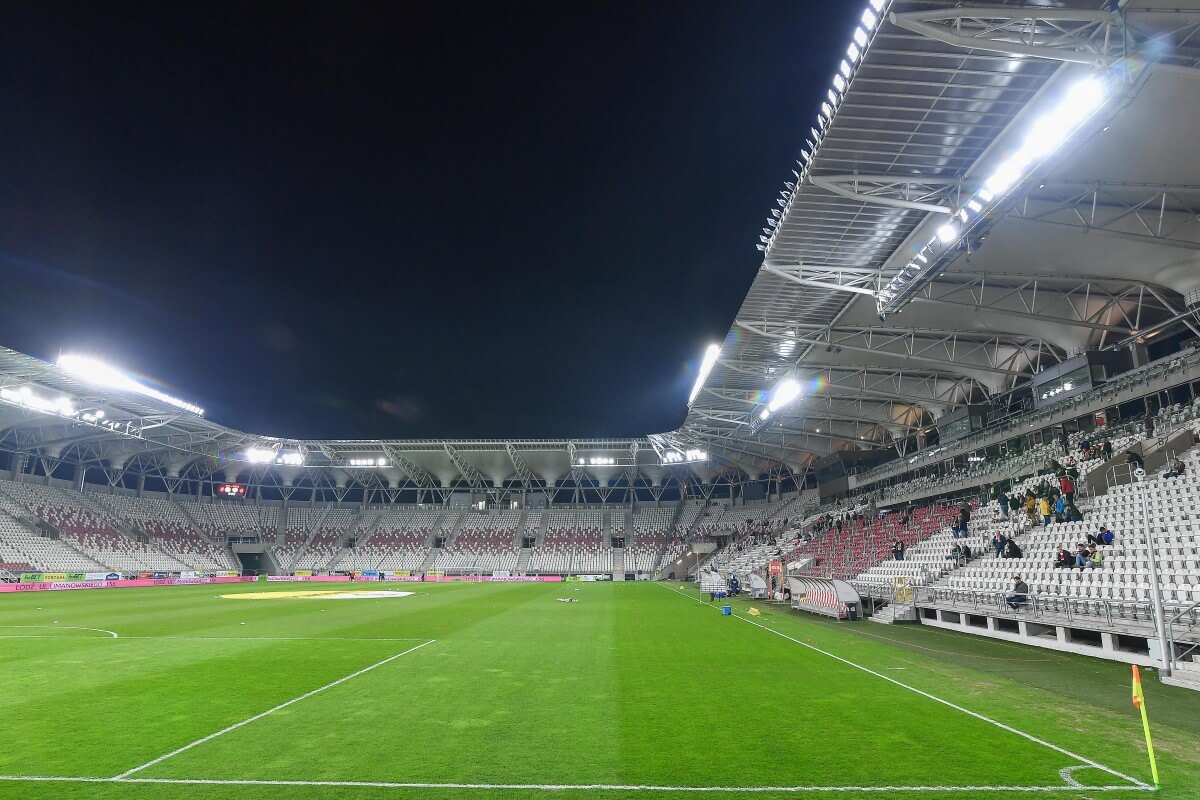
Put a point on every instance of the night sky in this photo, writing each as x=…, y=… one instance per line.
x=361, y=221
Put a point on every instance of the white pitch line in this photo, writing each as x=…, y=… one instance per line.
x=561, y=787
x=217, y=638
x=269, y=711
x=56, y=628
x=935, y=698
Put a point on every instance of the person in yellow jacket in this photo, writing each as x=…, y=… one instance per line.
x=1043, y=505
x=1031, y=509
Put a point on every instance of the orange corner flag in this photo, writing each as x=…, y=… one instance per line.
x=1139, y=702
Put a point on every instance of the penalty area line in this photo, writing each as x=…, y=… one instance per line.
x=561, y=787
x=1028, y=736
x=269, y=711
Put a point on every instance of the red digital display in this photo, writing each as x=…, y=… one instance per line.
x=236, y=490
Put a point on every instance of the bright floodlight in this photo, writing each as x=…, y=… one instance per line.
x=1007, y=174
x=100, y=374
x=1083, y=98
x=947, y=233
x=1047, y=134
x=706, y=365
x=785, y=392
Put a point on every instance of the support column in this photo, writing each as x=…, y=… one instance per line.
x=141, y=485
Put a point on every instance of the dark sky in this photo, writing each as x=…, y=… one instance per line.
x=510, y=220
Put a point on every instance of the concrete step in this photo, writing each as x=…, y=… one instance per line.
x=1184, y=680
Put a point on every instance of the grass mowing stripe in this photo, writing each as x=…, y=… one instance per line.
x=259, y=716
x=1030, y=737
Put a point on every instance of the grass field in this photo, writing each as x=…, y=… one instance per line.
x=500, y=691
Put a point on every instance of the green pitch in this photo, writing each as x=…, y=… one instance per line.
x=490, y=691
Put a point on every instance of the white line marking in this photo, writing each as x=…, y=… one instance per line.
x=283, y=705
x=57, y=628
x=935, y=698
x=560, y=787
x=1068, y=778
x=220, y=638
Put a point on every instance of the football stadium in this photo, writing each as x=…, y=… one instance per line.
x=930, y=527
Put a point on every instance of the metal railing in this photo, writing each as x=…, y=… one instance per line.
x=1087, y=609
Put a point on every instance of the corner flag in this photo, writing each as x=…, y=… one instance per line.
x=1139, y=702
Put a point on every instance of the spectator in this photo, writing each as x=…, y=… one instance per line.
x=1031, y=507
x=1134, y=460
x=955, y=554
x=1148, y=426
x=898, y=549
x=964, y=517
x=1002, y=500
x=998, y=542
x=1106, y=449
x=1066, y=485
x=1011, y=550
x=1102, y=537
x=966, y=552
x=1071, y=513
x=1063, y=559
x=1081, y=556
x=1060, y=509
x=1044, y=510
x=1093, y=558
x=1177, y=469
x=1019, y=595
x=1062, y=440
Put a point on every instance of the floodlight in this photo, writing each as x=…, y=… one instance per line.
x=707, y=363
x=785, y=392
x=839, y=82
x=98, y=373
x=1007, y=174
x=1047, y=134
x=260, y=455
x=869, y=19
x=1083, y=98
x=947, y=233
x=765, y=414
x=860, y=37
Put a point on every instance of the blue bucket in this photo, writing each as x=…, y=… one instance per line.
x=726, y=610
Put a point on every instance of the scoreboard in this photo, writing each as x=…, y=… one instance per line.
x=235, y=491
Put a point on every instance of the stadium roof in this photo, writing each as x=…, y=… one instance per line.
x=1095, y=245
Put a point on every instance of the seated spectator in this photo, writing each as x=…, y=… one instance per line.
x=1134, y=460
x=1019, y=595
x=1176, y=469
x=1102, y=537
x=1071, y=513
x=1081, y=555
x=955, y=554
x=998, y=542
x=1011, y=550
x=1063, y=559
x=1093, y=558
